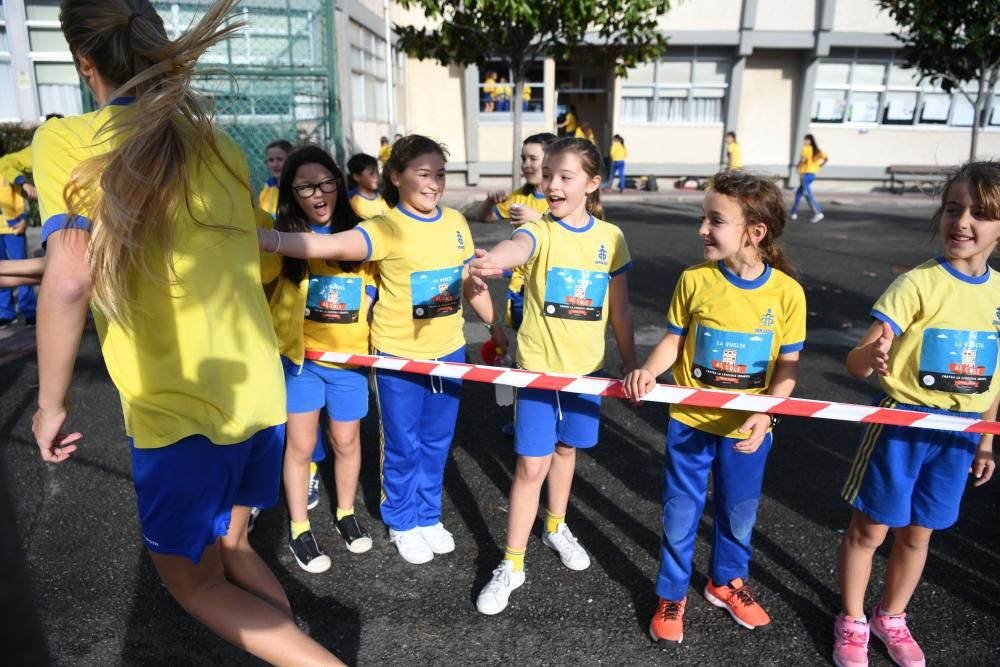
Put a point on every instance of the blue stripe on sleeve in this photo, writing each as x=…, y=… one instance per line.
x=882, y=317
x=534, y=241
x=620, y=270
x=371, y=291
x=368, y=242
x=62, y=221
x=676, y=330
x=792, y=347
x=498, y=214
x=469, y=259
x=15, y=221
x=19, y=180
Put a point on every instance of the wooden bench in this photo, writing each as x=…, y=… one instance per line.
x=925, y=178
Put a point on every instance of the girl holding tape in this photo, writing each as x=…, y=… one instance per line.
x=737, y=322
x=933, y=346
x=575, y=283
x=421, y=251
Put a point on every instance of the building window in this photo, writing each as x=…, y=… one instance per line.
x=690, y=90
x=496, y=90
x=857, y=87
x=8, y=102
x=369, y=93
x=58, y=89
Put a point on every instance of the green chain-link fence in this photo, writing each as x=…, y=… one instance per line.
x=279, y=76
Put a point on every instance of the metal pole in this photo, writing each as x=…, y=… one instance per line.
x=390, y=93
x=333, y=88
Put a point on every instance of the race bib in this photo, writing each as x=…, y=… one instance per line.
x=575, y=294
x=436, y=293
x=960, y=362
x=333, y=299
x=731, y=360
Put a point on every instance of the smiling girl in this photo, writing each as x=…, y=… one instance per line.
x=575, y=268
x=420, y=250
x=736, y=322
x=320, y=305
x=933, y=345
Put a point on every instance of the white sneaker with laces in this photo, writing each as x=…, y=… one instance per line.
x=570, y=552
x=411, y=546
x=437, y=538
x=794, y=216
x=494, y=596
x=817, y=218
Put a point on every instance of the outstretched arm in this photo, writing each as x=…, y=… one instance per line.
x=620, y=314
x=349, y=246
x=16, y=272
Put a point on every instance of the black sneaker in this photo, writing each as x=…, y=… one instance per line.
x=6, y=322
x=29, y=321
x=309, y=554
x=355, y=536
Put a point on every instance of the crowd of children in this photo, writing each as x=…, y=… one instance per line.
x=219, y=417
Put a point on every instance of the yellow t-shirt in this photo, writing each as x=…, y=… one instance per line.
x=269, y=196
x=533, y=200
x=735, y=155
x=734, y=329
x=14, y=165
x=946, y=323
x=420, y=263
x=570, y=122
x=384, y=152
x=567, y=292
x=618, y=152
x=336, y=313
x=12, y=207
x=365, y=207
x=811, y=163
x=199, y=355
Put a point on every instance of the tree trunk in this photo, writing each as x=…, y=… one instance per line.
x=517, y=105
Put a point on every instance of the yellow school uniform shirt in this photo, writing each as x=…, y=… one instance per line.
x=570, y=122
x=199, y=356
x=946, y=323
x=365, y=207
x=12, y=203
x=533, y=200
x=811, y=163
x=734, y=329
x=735, y=155
x=384, y=152
x=567, y=294
x=618, y=152
x=420, y=261
x=269, y=196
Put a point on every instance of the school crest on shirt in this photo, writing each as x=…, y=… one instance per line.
x=602, y=255
x=460, y=240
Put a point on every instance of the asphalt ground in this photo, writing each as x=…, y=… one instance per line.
x=102, y=604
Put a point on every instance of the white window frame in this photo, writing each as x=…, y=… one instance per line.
x=5, y=58
x=690, y=87
x=368, y=78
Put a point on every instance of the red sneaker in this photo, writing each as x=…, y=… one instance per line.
x=735, y=597
x=667, y=626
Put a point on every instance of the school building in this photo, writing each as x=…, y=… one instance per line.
x=769, y=70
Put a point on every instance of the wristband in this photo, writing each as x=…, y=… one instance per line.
x=774, y=420
x=490, y=326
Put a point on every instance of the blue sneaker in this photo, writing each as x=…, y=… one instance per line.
x=313, y=499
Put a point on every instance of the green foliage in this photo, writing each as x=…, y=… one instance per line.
x=15, y=137
x=471, y=32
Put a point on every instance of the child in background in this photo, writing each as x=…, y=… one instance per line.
x=618, y=155
x=384, y=151
x=502, y=94
x=363, y=193
x=811, y=160
x=13, y=224
x=275, y=154
x=736, y=322
x=321, y=306
x=421, y=251
x=489, y=91
x=734, y=154
x=933, y=345
x=585, y=131
x=575, y=284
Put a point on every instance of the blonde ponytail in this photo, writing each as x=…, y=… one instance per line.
x=133, y=192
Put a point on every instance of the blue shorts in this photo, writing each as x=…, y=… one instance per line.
x=186, y=491
x=543, y=417
x=905, y=476
x=343, y=391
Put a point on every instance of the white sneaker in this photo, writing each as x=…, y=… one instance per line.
x=570, y=552
x=494, y=596
x=794, y=216
x=437, y=538
x=411, y=546
x=817, y=217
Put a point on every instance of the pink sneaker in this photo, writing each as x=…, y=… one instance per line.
x=850, y=642
x=896, y=636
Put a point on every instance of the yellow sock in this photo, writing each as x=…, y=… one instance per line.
x=342, y=513
x=516, y=556
x=313, y=468
x=552, y=521
x=299, y=527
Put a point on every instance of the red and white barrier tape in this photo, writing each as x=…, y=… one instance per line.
x=666, y=393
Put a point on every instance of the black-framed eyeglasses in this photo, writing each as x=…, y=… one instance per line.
x=309, y=189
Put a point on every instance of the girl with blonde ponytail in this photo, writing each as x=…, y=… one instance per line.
x=147, y=215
